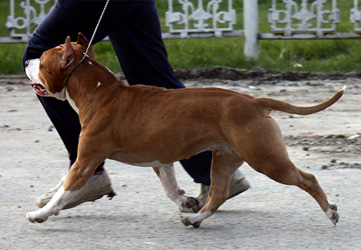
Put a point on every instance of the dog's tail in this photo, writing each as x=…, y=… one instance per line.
x=271, y=104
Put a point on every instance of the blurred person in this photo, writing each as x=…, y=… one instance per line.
x=134, y=31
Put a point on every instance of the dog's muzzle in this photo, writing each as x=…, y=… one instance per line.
x=39, y=89
x=32, y=71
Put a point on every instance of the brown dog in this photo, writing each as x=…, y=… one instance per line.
x=151, y=126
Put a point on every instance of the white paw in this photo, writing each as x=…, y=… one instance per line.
x=195, y=219
x=332, y=213
x=188, y=220
x=190, y=205
x=36, y=216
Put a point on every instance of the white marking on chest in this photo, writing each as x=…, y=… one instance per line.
x=61, y=95
x=71, y=102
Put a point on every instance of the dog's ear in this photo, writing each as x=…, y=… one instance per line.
x=68, y=56
x=83, y=41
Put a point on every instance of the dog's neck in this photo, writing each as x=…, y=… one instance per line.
x=91, y=83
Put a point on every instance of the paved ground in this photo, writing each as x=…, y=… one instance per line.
x=269, y=216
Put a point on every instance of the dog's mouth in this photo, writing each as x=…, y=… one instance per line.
x=39, y=89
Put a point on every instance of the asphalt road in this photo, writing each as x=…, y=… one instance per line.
x=269, y=216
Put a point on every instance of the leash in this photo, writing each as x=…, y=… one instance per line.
x=95, y=31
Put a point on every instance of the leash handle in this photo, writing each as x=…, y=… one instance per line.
x=95, y=31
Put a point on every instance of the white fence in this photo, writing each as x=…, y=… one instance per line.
x=289, y=19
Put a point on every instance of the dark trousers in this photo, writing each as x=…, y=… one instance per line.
x=134, y=30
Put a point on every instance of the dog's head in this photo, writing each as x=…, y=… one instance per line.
x=48, y=74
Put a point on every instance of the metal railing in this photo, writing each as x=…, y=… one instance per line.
x=288, y=19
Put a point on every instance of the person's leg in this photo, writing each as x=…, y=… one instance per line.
x=138, y=44
x=58, y=24
x=141, y=52
x=68, y=18
x=139, y=47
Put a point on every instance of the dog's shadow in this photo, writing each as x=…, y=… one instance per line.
x=77, y=223
x=225, y=220
x=254, y=220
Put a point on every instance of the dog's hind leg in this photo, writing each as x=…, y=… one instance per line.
x=278, y=166
x=309, y=183
x=266, y=152
x=288, y=174
x=223, y=167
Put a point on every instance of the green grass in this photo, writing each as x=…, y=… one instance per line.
x=313, y=55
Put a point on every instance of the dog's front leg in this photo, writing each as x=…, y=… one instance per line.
x=77, y=177
x=57, y=202
x=170, y=185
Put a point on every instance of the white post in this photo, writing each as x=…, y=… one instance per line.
x=250, y=13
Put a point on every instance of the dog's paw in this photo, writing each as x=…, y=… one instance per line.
x=36, y=216
x=332, y=213
x=187, y=221
x=191, y=205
